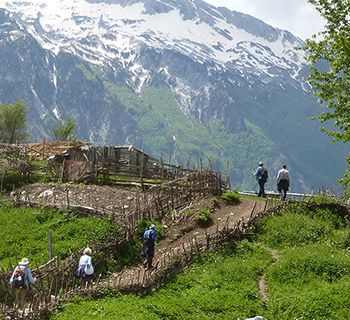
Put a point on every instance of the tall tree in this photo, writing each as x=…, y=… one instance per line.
x=13, y=122
x=65, y=131
x=331, y=82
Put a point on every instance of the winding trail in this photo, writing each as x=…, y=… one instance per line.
x=178, y=245
x=262, y=281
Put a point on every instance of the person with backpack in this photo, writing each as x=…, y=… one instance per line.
x=283, y=182
x=261, y=175
x=149, y=240
x=85, y=269
x=20, y=281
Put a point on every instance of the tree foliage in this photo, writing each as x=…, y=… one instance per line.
x=13, y=122
x=65, y=131
x=332, y=84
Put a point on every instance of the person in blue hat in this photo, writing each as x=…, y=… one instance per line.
x=149, y=240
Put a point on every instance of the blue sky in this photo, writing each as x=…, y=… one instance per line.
x=296, y=16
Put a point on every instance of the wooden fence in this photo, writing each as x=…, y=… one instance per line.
x=110, y=164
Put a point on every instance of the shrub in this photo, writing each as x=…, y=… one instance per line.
x=144, y=224
x=203, y=218
x=231, y=197
x=215, y=202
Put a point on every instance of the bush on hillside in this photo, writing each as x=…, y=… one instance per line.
x=144, y=224
x=203, y=218
x=231, y=197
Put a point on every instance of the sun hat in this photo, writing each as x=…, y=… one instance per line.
x=24, y=262
x=153, y=226
x=87, y=251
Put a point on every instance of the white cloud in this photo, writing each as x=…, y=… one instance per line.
x=297, y=16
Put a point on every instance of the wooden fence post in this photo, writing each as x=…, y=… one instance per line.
x=141, y=169
x=2, y=180
x=49, y=242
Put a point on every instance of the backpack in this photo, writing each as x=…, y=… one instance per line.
x=264, y=175
x=18, y=279
x=84, y=270
x=88, y=269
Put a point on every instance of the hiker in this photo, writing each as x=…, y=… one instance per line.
x=261, y=176
x=283, y=182
x=20, y=281
x=149, y=239
x=85, y=269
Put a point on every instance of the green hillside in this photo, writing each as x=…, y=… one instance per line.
x=160, y=121
x=303, y=254
x=277, y=128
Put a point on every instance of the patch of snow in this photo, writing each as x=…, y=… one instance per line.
x=55, y=111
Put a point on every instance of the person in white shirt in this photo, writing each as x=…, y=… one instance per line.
x=85, y=269
x=283, y=182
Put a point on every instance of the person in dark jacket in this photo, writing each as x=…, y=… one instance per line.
x=149, y=240
x=261, y=177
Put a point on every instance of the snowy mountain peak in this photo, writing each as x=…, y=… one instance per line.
x=101, y=30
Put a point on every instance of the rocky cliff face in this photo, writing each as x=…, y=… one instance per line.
x=181, y=79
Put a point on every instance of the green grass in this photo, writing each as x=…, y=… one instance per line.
x=312, y=282
x=297, y=227
x=24, y=232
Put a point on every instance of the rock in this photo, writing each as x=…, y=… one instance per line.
x=45, y=193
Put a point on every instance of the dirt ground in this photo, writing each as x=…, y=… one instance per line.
x=93, y=196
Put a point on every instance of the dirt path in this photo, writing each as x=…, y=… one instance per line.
x=262, y=281
x=182, y=238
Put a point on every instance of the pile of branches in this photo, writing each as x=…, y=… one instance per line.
x=15, y=158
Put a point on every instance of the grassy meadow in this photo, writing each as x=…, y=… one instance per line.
x=24, y=233
x=309, y=280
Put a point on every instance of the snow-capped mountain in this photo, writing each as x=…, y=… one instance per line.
x=102, y=32
x=178, y=77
